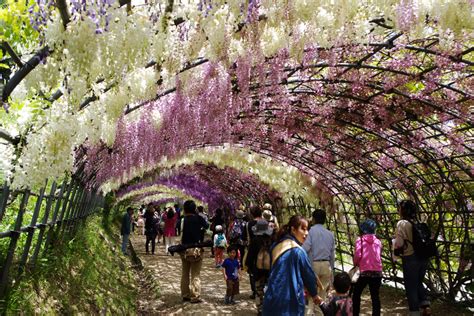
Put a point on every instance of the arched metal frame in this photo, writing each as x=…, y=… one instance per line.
x=378, y=113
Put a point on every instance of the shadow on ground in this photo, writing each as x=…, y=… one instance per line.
x=167, y=270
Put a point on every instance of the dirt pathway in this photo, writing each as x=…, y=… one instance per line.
x=167, y=271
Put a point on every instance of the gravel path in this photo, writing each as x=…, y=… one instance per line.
x=167, y=271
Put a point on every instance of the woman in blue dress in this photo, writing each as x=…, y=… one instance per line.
x=291, y=272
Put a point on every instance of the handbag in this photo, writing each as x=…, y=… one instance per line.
x=354, y=274
x=192, y=254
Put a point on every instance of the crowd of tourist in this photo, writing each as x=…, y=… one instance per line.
x=291, y=268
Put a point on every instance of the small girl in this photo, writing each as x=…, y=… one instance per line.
x=220, y=243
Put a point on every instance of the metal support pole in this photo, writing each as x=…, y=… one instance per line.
x=31, y=231
x=4, y=199
x=14, y=235
x=43, y=225
x=59, y=205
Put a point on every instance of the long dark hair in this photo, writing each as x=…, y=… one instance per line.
x=295, y=222
x=408, y=209
x=170, y=213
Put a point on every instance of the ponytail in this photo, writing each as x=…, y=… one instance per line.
x=283, y=231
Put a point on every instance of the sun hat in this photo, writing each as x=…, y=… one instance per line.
x=218, y=228
x=239, y=214
x=368, y=226
x=267, y=214
x=267, y=206
x=262, y=228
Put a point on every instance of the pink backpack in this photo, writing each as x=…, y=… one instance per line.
x=344, y=307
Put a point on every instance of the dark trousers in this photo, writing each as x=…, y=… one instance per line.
x=414, y=270
x=374, y=287
x=261, y=279
x=252, y=283
x=152, y=238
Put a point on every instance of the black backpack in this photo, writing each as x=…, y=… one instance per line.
x=423, y=244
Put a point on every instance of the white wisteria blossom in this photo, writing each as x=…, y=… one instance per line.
x=110, y=67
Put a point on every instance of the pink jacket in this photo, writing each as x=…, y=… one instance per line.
x=170, y=225
x=371, y=249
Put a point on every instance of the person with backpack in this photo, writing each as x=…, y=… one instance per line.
x=216, y=220
x=411, y=249
x=258, y=258
x=200, y=210
x=151, y=229
x=250, y=257
x=340, y=303
x=291, y=272
x=220, y=244
x=191, y=258
x=237, y=238
x=367, y=256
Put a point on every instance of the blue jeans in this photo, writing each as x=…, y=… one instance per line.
x=414, y=270
x=125, y=243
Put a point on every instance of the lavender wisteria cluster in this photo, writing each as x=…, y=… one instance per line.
x=330, y=116
x=216, y=187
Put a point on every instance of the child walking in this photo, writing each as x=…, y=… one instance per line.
x=340, y=303
x=231, y=270
x=220, y=243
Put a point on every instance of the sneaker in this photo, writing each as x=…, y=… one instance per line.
x=232, y=302
x=226, y=300
x=218, y=266
x=186, y=299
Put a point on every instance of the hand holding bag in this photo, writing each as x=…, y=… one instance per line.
x=193, y=254
x=354, y=273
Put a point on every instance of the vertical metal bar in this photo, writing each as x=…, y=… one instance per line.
x=31, y=231
x=42, y=226
x=87, y=205
x=68, y=201
x=4, y=199
x=14, y=235
x=72, y=206
x=56, y=212
x=77, y=210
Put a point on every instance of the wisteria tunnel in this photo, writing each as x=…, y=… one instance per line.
x=304, y=105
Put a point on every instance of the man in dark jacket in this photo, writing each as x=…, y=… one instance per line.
x=193, y=224
x=126, y=229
